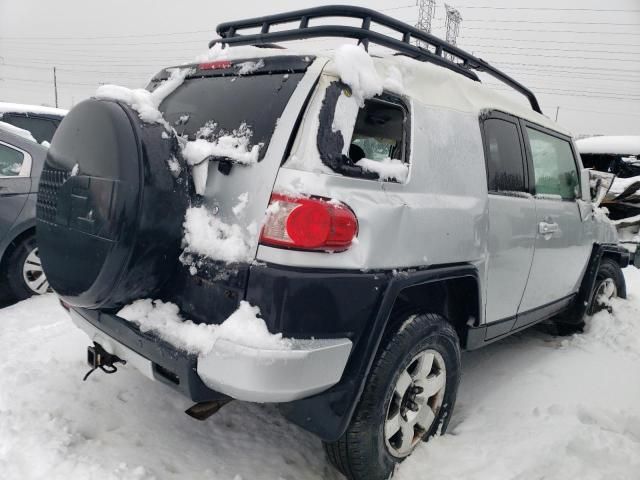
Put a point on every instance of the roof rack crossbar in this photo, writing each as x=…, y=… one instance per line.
x=437, y=51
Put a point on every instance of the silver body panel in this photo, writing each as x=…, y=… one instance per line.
x=560, y=256
x=512, y=235
x=443, y=214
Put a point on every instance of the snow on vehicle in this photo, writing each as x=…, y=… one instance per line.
x=335, y=228
x=41, y=122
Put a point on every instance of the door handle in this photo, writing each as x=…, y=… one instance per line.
x=545, y=228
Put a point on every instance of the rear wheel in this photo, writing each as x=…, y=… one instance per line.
x=408, y=398
x=25, y=276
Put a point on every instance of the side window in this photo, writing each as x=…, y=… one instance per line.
x=41, y=129
x=555, y=168
x=505, y=164
x=364, y=141
x=378, y=133
x=11, y=161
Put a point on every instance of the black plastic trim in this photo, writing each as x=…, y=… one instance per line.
x=491, y=332
x=328, y=414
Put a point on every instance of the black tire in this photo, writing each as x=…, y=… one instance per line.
x=608, y=270
x=18, y=289
x=362, y=452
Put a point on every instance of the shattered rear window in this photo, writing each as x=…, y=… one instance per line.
x=221, y=105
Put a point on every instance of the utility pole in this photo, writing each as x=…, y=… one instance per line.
x=55, y=85
x=426, y=12
x=557, y=110
x=454, y=19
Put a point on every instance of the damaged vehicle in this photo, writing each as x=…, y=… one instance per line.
x=614, y=162
x=325, y=232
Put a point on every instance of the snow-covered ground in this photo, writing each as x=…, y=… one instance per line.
x=530, y=407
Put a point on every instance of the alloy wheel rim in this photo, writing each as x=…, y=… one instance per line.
x=33, y=274
x=416, y=400
x=607, y=289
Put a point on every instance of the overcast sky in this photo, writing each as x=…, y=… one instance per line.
x=580, y=56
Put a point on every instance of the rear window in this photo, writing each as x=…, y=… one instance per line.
x=214, y=106
x=42, y=129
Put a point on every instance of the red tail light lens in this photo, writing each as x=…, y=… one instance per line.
x=218, y=64
x=308, y=224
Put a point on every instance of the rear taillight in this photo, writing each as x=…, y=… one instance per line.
x=308, y=224
x=216, y=65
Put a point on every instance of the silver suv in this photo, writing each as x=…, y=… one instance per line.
x=381, y=213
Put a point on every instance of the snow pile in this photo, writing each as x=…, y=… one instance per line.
x=247, y=68
x=355, y=68
x=234, y=146
x=205, y=234
x=243, y=201
x=530, y=407
x=6, y=107
x=387, y=169
x=21, y=132
x=163, y=319
x=612, y=144
x=211, y=144
x=144, y=102
x=612, y=330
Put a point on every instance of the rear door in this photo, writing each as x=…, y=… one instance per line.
x=15, y=183
x=512, y=220
x=562, y=247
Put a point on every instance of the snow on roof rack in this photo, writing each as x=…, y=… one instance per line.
x=436, y=50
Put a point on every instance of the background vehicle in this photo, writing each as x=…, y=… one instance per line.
x=42, y=122
x=21, y=162
x=620, y=157
x=378, y=269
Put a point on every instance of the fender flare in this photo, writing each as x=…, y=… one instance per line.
x=328, y=414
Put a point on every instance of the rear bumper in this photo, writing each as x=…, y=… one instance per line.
x=241, y=372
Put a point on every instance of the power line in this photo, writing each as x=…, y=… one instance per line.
x=564, y=94
x=536, y=40
x=495, y=20
x=597, y=111
x=627, y=60
x=554, y=31
x=627, y=95
x=552, y=9
x=569, y=67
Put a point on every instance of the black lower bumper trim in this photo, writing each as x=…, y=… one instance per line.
x=171, y=366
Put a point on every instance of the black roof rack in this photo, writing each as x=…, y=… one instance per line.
x=436, y=50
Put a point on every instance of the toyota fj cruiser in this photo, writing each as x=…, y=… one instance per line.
x=382, y=213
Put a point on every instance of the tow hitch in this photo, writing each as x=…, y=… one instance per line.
x=98, y=357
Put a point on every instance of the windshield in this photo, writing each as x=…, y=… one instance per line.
x=214, y=106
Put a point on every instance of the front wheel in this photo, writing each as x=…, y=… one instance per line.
x=609, y=284
x=25, y=276
x=408, y=398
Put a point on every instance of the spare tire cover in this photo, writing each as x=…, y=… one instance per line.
x=109, y=210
